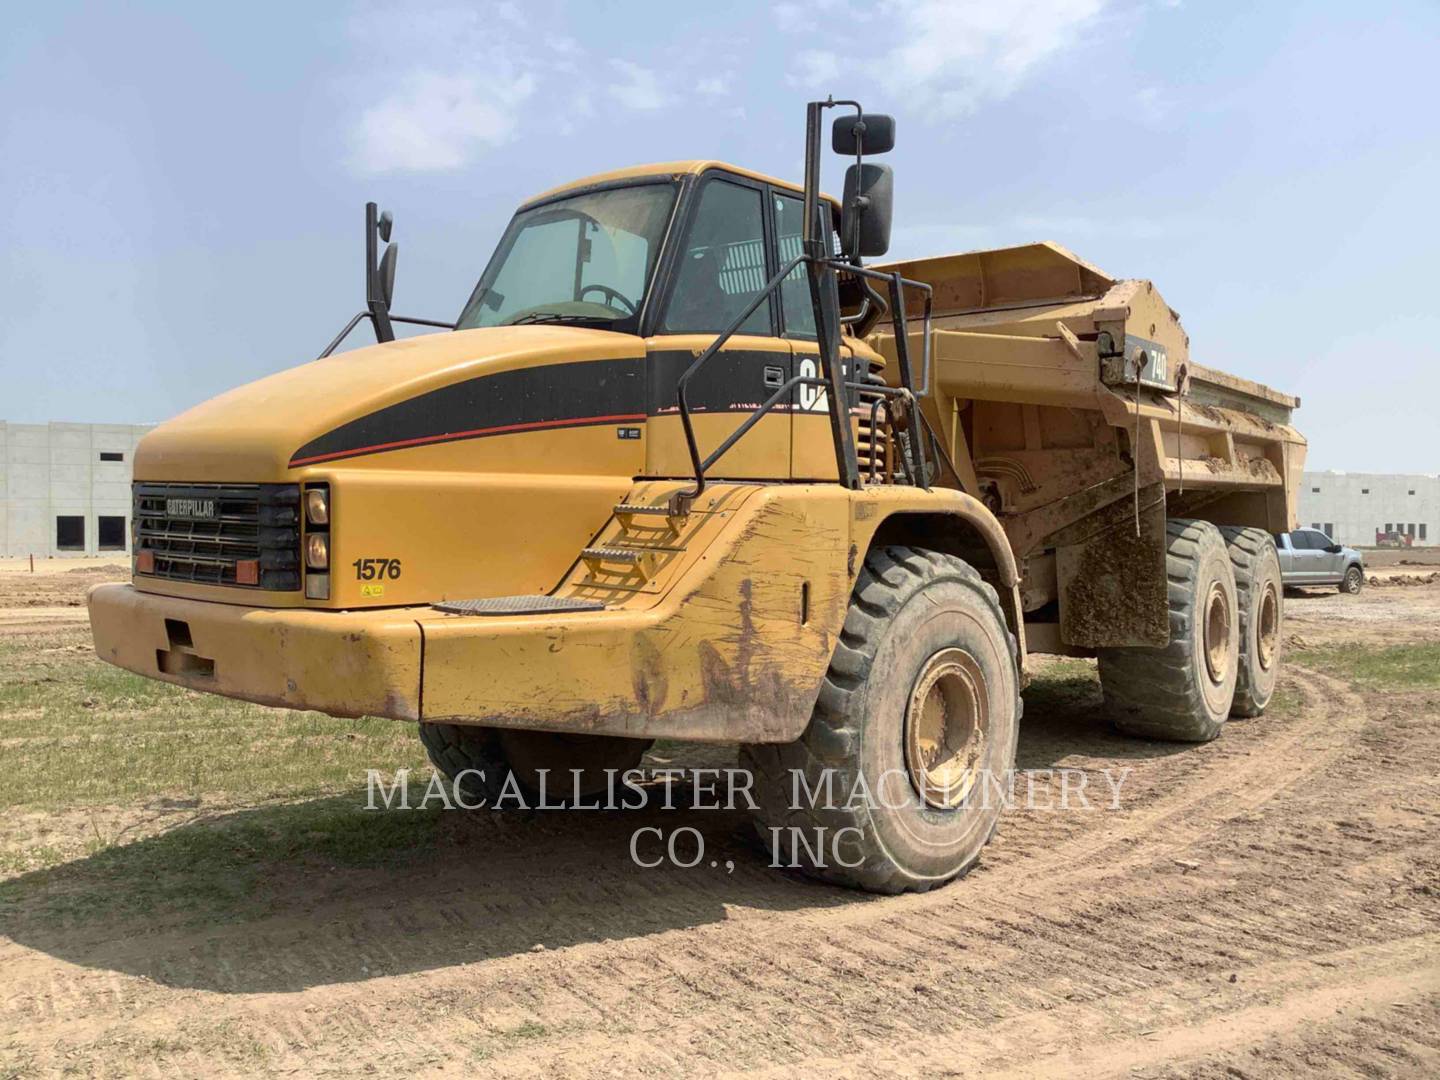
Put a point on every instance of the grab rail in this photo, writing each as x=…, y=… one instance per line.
x=896, y=284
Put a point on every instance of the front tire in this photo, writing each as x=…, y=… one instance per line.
x=1259, y=593
x=479, y=761
x=1353, y=581
x=1183, y=691
x=918, y=715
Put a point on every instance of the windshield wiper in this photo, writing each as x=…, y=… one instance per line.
x=556, y=317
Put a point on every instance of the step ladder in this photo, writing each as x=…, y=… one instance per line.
x=629, y=555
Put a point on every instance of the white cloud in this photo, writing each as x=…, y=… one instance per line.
x=455, y=81
x=813, y=69
x=436, y=121
x=791, y=16
x=1153, y=103
x=638, y=88
x=950, y=56
x=714, y=85
x=955, y=56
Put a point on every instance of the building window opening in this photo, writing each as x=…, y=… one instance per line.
x=1364, y=491
x=1422, y=530
x=111, y=530
x=1330, y=529
x=70, y=533
x=111, y=455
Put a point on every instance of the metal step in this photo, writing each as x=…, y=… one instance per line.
x=630, y=556
x=627, y=512
x=603, y=560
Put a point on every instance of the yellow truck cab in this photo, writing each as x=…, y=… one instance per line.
x=686, y=467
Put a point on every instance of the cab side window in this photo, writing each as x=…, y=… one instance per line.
x=795, y=289
x=722, y=266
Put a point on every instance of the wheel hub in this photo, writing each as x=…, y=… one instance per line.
x=1267, y=635
x=1217, y=633
x=947, y=727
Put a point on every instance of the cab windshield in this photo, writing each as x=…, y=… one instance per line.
x=587, y=259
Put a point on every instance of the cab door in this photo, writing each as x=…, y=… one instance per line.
x=1311, y=559
x=1330, y=564
x=725, y=258
x=1285, y=548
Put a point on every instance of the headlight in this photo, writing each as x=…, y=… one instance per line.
x=317, y=551
x=317, y=506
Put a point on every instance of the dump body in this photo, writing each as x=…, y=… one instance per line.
x=1069, y=403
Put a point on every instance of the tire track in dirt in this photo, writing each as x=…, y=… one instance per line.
x=1180, y=1023
x=678, y=987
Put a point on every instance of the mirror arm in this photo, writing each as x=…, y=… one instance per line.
x=423, y=322
x=335, y=344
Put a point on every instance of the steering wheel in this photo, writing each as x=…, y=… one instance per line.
x=610, y=294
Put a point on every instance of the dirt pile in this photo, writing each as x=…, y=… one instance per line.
x=1432, y=578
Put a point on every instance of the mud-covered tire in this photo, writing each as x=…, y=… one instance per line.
x=1259, y=593
x=1353, y=581
x=1183, y=691
x=920, y=622
x=479, y=760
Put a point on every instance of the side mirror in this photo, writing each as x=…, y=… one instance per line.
x=866, y=210
x=1334, y=549
x=869, y=133
x=387, y=273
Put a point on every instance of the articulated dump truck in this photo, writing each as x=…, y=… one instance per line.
x=688, y=467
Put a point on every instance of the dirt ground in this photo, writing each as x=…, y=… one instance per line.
x=1264, y=905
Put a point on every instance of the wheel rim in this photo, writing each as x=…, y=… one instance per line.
x=1352, y=580
x=1217, y=633
x=1267, y=636
x=947, y=727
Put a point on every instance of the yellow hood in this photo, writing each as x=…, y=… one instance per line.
x=251, y=433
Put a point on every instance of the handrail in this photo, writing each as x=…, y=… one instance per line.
x=907, y=390
x=774, y=399
x=684, y=381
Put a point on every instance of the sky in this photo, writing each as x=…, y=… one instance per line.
x=182, y=185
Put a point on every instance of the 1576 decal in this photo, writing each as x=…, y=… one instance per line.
x=376, y=569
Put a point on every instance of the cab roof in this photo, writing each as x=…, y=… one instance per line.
x=669, y=170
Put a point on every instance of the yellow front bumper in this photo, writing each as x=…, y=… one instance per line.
x=346, y=663
x=647, y=674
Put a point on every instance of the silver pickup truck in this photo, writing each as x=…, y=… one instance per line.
x=1309, y=557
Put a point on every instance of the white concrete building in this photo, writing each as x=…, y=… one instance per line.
x=65, y=488
x=1353, y=507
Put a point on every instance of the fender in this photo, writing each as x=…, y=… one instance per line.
x=941, y=519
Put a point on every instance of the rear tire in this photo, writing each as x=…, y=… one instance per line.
x=1353, y=581
x=1183, y=691
x=1259, y=595
x=480, y=760
x=921, y=704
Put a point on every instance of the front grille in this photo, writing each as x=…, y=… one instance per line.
x=202, y=532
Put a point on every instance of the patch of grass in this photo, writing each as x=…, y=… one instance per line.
x=219, y=869
x=1284, y=702
x=1378, y=667
x=75, y=731
x=1061, y=682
